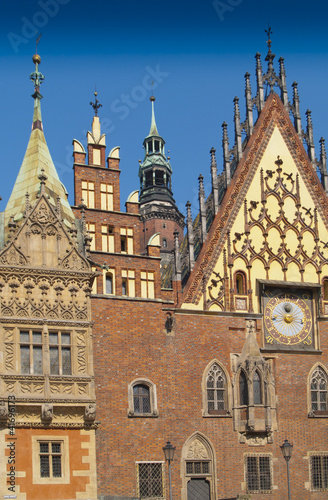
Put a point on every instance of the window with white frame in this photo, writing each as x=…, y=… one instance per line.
x=106, y=196
x=88, y=193
x=128, y=283
x=147, y=284
x=258, y=473
x=319, y=471
x=126, y=240
x=31, y=352
x=107, y=239
x=150, y=480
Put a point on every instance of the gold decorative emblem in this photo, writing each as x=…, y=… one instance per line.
x=288, y=319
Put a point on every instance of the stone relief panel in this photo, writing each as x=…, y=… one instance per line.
x=197, y=450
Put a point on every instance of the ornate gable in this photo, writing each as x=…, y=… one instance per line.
x=266, y=227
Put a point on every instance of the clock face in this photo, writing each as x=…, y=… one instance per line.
x=288, y=319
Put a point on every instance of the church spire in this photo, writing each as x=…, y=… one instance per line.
x=37, y=160
x=153, y=127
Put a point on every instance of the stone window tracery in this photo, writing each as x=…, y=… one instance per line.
x=318, y=386
x=216, y=390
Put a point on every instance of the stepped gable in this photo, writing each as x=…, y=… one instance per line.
x=272, y=130
x=37, y=158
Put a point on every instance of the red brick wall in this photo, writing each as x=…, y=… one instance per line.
x=98, y=175
x=166, y=229
x=130, y=341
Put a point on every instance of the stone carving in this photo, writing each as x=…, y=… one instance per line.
x=9, y=356
x=82, y=389
x=61, y=388
x=74, y=261
x=11, y=256
x=80, y=338
x=3, y=410
x=81, y=361
x=90, y=412
x=10, y=387
x=9, y=335
x=47, y=412
x=197, y=450
x=29, y=387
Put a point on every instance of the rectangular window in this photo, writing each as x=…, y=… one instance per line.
x=50, y=459
x=31, y=352
x=92, y=231
x=147, y=285
x=88, y=193
x=128, y=283
x=258, y=473
x=60, y=353
x=107, y=239
x=150, y=478
x=195, y=468
x=126, y=240
x=106, y=196
x=319, y=472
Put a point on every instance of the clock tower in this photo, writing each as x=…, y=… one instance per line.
x=158, y=210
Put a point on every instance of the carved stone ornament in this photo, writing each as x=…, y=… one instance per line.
x=3, y=410
x=47, y=412
x=90, y=412
x=197, y=450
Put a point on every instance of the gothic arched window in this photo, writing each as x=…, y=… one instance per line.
x=216, y=390
x=257, y=390
x=319, y=390
x=243, y=389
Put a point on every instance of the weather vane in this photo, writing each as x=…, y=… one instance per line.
x=37, y=43
x=269, y=32
x=96, y=105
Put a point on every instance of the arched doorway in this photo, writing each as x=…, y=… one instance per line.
x=198, y=469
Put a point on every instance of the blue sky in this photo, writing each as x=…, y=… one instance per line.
x=196, y=52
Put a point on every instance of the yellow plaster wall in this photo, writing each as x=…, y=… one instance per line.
x=276, y=146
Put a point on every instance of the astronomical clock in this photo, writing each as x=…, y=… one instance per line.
x=289, y=318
